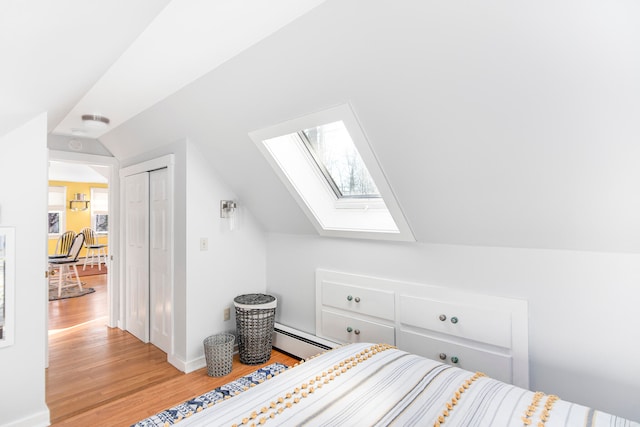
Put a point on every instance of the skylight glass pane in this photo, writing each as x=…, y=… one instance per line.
x=340, y=161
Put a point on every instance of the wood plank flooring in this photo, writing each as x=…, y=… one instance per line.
x=102, y=376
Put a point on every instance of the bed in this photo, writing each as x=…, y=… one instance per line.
x=367, y=384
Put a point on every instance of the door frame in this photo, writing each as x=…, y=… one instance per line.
x=167, y=161
x=113, y=282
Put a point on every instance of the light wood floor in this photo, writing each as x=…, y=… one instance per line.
x=99, y=376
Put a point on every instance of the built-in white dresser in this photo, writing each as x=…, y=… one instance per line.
x=352, y=313
x=475, y=332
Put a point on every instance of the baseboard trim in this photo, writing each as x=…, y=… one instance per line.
x=179, y=364
x=193, y=365
x=298, y=343
x=39, y=419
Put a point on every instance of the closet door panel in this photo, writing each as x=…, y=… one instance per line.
x=160, y=259
x=136, y=259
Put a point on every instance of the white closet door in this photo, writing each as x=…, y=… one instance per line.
x=160, y=259
x=137, y=255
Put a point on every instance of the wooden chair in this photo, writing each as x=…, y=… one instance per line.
x=96, y=252
x=63, y=265
x=64, y=243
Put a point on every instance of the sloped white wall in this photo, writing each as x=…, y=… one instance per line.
x=497, y=123
x=583, y=316
x=234, y=264
x=23, y=171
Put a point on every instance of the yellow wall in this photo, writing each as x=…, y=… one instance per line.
x=76, y=220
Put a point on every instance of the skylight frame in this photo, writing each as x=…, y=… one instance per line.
x=320, y=164
x=325, y=170
x=368, y=218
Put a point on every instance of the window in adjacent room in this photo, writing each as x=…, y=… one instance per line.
x=329, y=167
x=56, y=211
x=100, y=209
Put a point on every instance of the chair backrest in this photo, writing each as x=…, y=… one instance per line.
x=64, y=242
x=78, y=241
x=89, y=236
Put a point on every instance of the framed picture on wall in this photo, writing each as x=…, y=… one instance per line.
x=54, y=222
x=7, y=285
x=102, y=223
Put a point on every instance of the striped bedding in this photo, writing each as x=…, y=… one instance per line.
x=377, y=385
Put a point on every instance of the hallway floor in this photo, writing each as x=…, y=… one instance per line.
x=105, y=376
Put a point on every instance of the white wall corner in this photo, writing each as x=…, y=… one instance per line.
x=179, y=363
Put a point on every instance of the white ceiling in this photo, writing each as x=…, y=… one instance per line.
x=187, y=39
x=53, y=52
x=497, y=123
x=118, y=58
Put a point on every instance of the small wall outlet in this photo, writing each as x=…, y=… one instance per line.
x=204, y=244
x=227, y=313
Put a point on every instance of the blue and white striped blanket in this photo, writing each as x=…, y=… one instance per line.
x=186, y=409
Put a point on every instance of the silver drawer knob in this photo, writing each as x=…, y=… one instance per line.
x=349, y=297
x=357, y=332
x=454, y=319
x=349, y=329
x=454, y=359
x=442, y=317
x=442, y=356
x=357, y=299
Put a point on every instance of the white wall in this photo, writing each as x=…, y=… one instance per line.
x=23, y=171
x=583, y=316
x=234, y=264
x=205, y=282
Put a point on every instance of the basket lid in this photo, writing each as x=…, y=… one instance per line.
x=249, y=301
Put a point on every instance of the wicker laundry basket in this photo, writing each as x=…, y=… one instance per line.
x=218, y=351
x=255, y=314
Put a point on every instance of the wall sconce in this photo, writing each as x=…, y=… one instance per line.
x=228, y=211
x=78, y=203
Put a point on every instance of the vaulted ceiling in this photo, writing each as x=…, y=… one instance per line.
x=496, y=123
x=54, y=52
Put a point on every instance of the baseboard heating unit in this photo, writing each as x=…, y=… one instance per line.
x=298, y=343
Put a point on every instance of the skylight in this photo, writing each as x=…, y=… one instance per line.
x=339, y=160
x=326, y=163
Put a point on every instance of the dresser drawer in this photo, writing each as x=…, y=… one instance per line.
x=484, y=325
x=371, y=302
x=347, y=329
x=495, y=365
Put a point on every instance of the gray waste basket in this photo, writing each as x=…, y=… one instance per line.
x=218, y=351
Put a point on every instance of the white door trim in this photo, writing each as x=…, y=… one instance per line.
x=113, y=284
x=166, y=161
